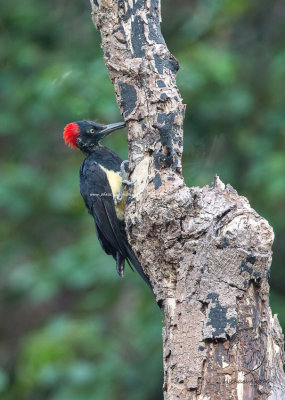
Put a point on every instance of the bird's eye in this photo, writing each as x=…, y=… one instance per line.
x=92, y=130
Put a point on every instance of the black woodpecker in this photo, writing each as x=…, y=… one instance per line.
x=102, y=186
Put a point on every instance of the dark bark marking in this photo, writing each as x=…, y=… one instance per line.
x=156, y=156
x=251, y=259
x=167, y=138
x=138, y=37
x=213, y=296
x=163, y=96
x=138, y=4
x=154, y=8
x=169, y=126
x=218, y=316
x=128, y=97
x=160, y=83
x=255, y=275
x=157, y=181
x=244, y=267
x=154, y=30
x=158, y=63
x=225, y=243
x=171, y=63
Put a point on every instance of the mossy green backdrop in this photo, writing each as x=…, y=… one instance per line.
x=70, y=328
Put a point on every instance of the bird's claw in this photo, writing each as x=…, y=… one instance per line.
x=125, y=182
x=117, y=199
x=128, y=183
x=123, y=172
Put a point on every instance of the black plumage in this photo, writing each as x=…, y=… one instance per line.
x=100, y=182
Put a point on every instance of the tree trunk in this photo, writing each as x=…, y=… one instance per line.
x=206, y=251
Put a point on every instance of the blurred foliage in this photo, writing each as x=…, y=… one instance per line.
x=70, y=328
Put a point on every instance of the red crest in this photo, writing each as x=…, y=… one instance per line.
x=70, y=134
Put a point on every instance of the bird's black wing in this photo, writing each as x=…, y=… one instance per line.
x=98, y=198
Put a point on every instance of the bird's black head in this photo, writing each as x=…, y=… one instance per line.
x=85, y=135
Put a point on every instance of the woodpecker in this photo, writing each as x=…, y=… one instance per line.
x=103, y=183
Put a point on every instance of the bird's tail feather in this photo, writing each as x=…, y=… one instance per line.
x=136, y=264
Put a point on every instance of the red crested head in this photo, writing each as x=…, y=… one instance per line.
x=70, y=134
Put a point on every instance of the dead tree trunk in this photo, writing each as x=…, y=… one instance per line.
x=206, y=251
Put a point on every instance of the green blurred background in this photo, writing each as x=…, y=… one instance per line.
x=70, y=329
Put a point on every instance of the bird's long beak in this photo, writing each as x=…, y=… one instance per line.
x=107, y=129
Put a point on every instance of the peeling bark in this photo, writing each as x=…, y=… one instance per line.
x=205, y=250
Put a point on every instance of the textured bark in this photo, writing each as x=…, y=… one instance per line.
x=206, y=251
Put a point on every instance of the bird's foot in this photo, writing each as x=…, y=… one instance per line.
x=123, y=174
x=125, y=182
x=117, y=199
x=124, y=170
